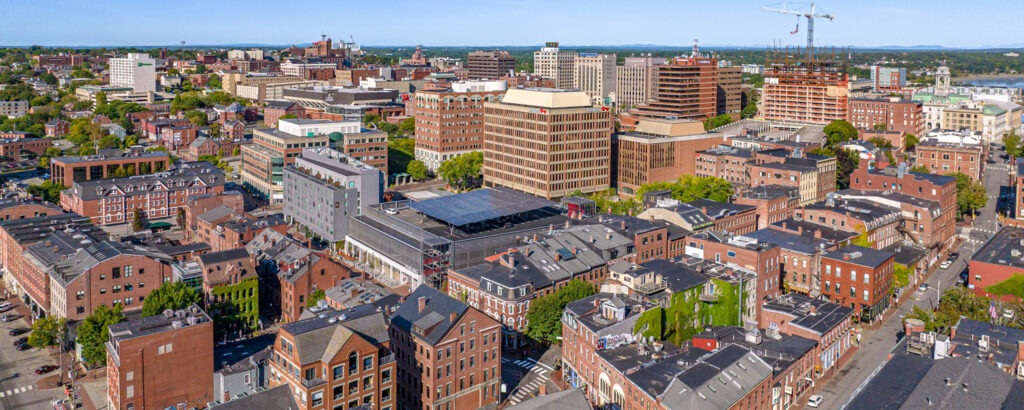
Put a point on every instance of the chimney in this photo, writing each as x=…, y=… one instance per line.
x=846, y=257
x=535, y=237
x=452, y=316
x=575, y=250
x=567, y=225
x=622, y=224
x=817, y=233
x=704, y=209
x=813, y=309
x=800, y=230
x=354, y=292
x=784, y=224
x=600, y=218
x=558, y=256
x=597, y=302
x=652, y=218
x=952, y=332
x=608, y=235
x=422, y=303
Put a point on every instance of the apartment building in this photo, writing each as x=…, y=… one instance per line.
x=888, y=79
x=14, y=108
x=634, y=81
x=829, y=324
x=685, y=88
x=945, y=158
x=724, y=162
x=547, y=142
x=337, y=359
x=264, y=160
x=448, y=353
x=136, y=70
x=490, y=64
x=773, y=203
x=762, y=258
x=805, y=88
x=594, y=74
x=555, y=64
x=659, y=150
x=325, y=187
x=880, y=224
x=450, y=122
x=18, y=148
x=895, y=114
x=922, y=221
x=860, y=278
x=159, y=195
x=149, y=357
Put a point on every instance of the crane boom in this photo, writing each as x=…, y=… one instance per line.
x=810, y=15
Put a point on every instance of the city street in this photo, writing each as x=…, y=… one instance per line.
x=17, y=372
x=525, y=376
x=876, y=344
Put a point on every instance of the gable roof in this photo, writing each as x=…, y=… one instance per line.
x=434, y=321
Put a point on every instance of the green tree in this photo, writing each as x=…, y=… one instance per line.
x=46, y=332
x=718, y=121
x=236, y=151
x=214, y=81
x=408, y=126
x=461, y=170
x=315, y=297
x=1013, y=145
x=170, y=295
x=101, y=99
x=846, y=162
x=417, y=170
x=749, y=111
x=196, y=118
x=970, y=196
x=880, y=142
x=921, y=169
x=137, y=220
x=93, y=333
x=545, y=314
x=879, y=127
x=839, y=131
x=49, y=191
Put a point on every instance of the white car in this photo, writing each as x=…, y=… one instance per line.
x=815, y=401
x=946, y=263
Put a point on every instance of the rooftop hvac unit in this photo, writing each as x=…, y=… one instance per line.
x=983, y=343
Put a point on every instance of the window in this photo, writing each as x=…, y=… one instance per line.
x=367, y=363
x=129, y=392
x=339, y=392
x=865, y=295
x=318, y=398
x=115, y=272
x=116, y=289
x=353, y=387
x=353, y=360
x=80, y=295
x=385, y=376
x=367, y=382
x=129, y=376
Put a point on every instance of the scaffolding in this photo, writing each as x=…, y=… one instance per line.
x=805, y=86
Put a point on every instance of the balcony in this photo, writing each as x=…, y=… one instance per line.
x=650, y=288
x=708, y=297
x=311, y=383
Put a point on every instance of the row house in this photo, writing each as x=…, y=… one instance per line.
x=761, y=258
x=724, y=162
x=160, y=195
x=199, y=204
x=504, y=286
x=336, y=359
x=829, y=324
x=448, y=353
x=652, y=239
x=773, y=203
x=734, y=218
x=879, y=224
x=239, y=230
x=801, y=257
x=860, y=278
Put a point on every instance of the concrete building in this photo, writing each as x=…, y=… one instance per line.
x=14, y=109
x=450, y=122
x=729, y=90
x=594, y=74
x=888, y=79
x=459, y=344
x=563, y=147
x=634, y=81
x=147, y=358
x=325, y=187
x=491, y=64
x=264, y=160
x=685, y=88
x=68, y=170
x=895, y=114
x=136, y=70
x=232, y=80
x=554, y=64
x=323, y=96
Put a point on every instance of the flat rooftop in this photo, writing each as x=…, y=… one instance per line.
x=479, y=206
x=1005, y=248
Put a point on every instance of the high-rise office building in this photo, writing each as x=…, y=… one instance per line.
x=885, y=79
x=594, y=74
x=555, y=64
x=450, y=122
x=136, y=70
x=634, y=81
x=729, y=90
x=491, y=64
x=685, y=88
x=547, y=142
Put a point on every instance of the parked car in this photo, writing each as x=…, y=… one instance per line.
x=923, y=287
x=19, y=331
x=815, y=401
x=44, y=369
x=20, y=341
x=23, y=347
x=5, y=305
x=9, y=318
x=946, y=264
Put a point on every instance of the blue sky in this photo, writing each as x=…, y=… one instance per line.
x=509, y=22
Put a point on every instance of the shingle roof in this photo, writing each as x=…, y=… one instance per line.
x=433, y=322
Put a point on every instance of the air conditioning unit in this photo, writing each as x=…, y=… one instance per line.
x=983, y=343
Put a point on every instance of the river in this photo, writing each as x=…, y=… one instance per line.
x=1012, y=82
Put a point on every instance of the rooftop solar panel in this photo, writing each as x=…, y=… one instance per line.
x=480, y=205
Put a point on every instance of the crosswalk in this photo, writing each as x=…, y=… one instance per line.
x=16, y=390
x=530, y=388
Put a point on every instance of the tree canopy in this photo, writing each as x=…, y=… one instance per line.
x=718, y=121
x=1013, y=144
x=417, y=170
x=921, y=169
x=170, y=295
x=544, y=319
x=839, y=131
x=92, y=333
x=46, y=332
x=970, y=196
x=461, y=171
x=315, y=297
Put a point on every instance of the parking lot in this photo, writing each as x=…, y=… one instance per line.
x=17, y=371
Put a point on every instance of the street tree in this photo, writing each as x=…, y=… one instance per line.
x=93, y=333
x=417, y=170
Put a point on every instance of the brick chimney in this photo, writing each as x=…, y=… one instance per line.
x=354, y=292
x=622, y=224
x=575, y=250
x=422, y=303
x=846, y=257
x=952, y=332
x=452, y=316
x=543, y=389
x=800, y=230
x=817, y=233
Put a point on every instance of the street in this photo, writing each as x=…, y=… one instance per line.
x=876, y=345
x=17, y=372
x=525, y=376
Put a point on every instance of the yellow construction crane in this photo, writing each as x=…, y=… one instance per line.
x=808, y=10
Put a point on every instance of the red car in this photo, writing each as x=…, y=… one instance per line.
x=46, y=369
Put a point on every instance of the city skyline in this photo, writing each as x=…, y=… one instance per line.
x=125, y=23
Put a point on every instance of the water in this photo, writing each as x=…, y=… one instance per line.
x=1012, y=82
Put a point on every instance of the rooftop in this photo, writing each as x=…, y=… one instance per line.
x=815, y=315
x=168, y=320
x=479, y=206
x=431, y=322
x=860, y=255
x=547, y=98
x=1005, y=248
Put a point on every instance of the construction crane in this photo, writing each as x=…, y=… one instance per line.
x=786, y=8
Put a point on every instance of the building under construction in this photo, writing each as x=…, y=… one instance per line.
x=808, y=87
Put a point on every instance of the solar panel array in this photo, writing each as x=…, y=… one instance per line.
x=480, y=205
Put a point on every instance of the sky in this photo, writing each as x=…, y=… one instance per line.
x=858, y=23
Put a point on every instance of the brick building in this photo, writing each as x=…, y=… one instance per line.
x=998, y=260
x=338, y=359
x=239, y=230
x=57, y=128
x=196, y=205
x=685, y=88
x=148, y=358
x=733, y=218
x=801, y=256
x=945, y=158
x=761, y=258
x=448, y=354
x=858, y=277
x=659, y=150
x=922, y=221
x=881, y=224
x=450, y=123
x=68, y=170
x=895, y=114
x=563, y=146
x=724, y=162
x=773, y=203
x=827, y=323
x=17, y=148
x=114, y=201
x=275, y=109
